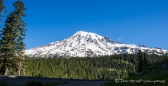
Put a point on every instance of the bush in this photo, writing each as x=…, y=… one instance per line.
x=55, y=83
x=3, y=84
x=38, y=83
x=34, y=83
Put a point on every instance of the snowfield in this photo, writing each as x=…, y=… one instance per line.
x=87, y=44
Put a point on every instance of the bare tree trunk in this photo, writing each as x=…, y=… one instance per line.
x=5, y=65
x=24, y=72
x=6, y=71
x=19, y=68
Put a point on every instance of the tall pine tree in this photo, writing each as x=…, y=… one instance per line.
x=7, y=48
x=2, y=9
x=12, y=45
x=140, y=61
x=20, y=46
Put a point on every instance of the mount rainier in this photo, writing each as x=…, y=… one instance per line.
x=87, y=44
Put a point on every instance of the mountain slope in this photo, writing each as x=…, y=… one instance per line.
x=83, y=44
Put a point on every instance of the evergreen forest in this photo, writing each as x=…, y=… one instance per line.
x=97, y=68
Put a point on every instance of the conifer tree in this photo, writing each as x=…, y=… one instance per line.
x=7, y=50
x=140, y=61
x=2, y=9
x=145, y=58
x=12, y=45
x=20, y=29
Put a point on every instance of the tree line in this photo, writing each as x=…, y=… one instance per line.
x=105, y=67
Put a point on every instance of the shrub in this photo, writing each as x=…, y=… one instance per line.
x=3, y=84
x=34, y=83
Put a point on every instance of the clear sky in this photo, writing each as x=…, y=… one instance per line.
x=130, y=21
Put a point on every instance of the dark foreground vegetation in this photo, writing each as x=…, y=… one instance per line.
x=35, y=83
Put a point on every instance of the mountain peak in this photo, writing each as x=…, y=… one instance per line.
x=78, y=32
x=87, y=34
x=84, y=33
x=83, y=44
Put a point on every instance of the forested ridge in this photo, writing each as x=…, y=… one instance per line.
x=105, y=67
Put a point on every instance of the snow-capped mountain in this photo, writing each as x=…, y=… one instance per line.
x=83, y=44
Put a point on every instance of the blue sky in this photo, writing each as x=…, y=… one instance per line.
x=130, y=21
